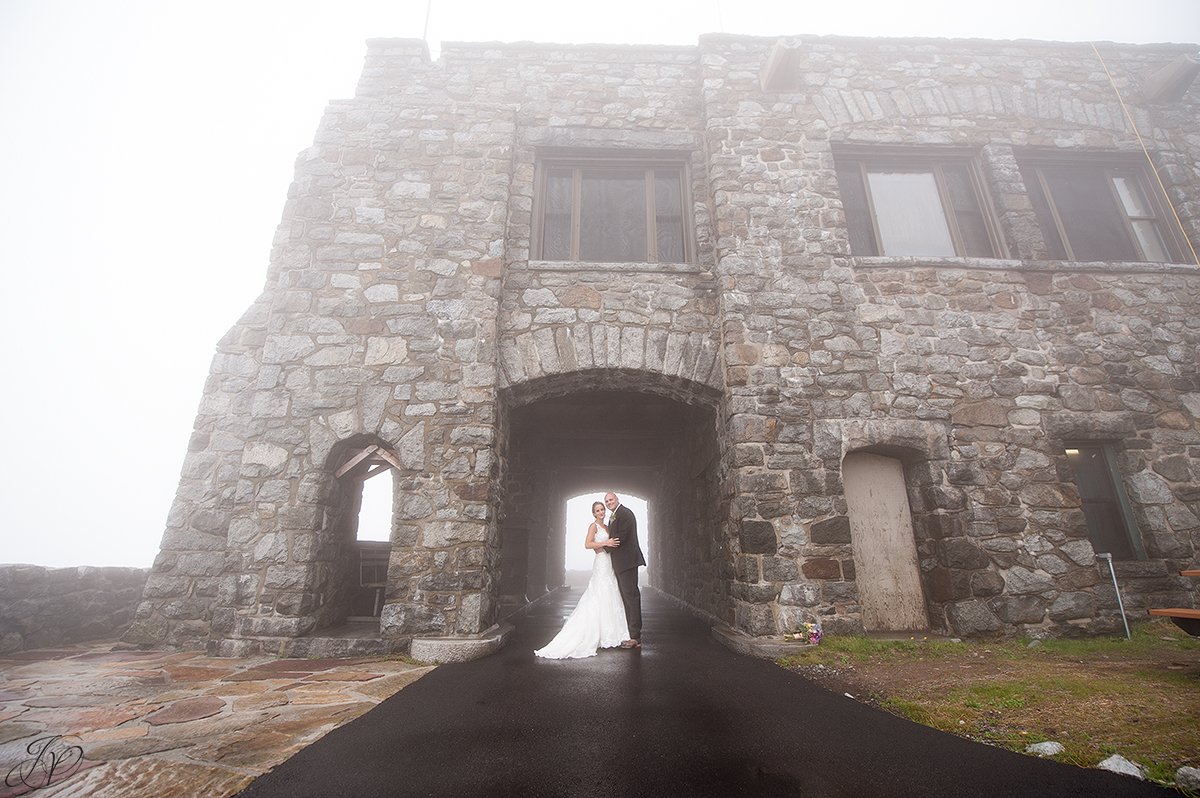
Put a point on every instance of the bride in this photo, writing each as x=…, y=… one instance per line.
x=598, y=621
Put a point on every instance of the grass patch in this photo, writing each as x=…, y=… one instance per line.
x=847, y=650
x=1097, y=696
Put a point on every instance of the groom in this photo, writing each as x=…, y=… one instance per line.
x=626, y=557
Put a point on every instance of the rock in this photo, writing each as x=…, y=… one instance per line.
x=187, y=710
x=1188, y=779
x=1019, y=609
x=1073, y=605
x=986, y=583
x=1149, y=488
x=805, y=594
x=1119, y=764
x=962, y=553
x=1080, y=552
x=831, y=531
x=972, y=618
x=989, y=414
x=758, y=537
x=1021, y=580
x=1048, y=748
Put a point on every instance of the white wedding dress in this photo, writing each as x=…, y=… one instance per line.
x=598, y=621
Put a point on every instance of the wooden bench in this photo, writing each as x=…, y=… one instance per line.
x=1186, y=619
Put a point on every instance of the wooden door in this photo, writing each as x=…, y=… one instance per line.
x=885, y=551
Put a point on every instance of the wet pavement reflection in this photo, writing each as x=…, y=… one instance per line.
x=681, y=716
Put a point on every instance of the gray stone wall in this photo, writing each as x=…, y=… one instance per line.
x=975, y=371
x=43, y=607
x=402, y=308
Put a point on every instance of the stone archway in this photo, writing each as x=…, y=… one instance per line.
x=631, y=432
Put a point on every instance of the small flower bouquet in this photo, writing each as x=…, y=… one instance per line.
x=809, y=633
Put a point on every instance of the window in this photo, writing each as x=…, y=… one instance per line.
x=914, y=203
x=1108, y=210
x=1110, y=526
x=603, y=210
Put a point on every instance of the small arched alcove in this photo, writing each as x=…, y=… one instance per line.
x=355, y=545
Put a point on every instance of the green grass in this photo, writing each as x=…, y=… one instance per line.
x=1097, y=696
x=847, y=650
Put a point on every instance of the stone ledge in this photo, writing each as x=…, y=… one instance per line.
x=760, y=647
x=341, y=647
x=1013, y=265
x=460, y=649
x=607, y=266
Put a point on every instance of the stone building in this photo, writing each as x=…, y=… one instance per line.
x=890, y=334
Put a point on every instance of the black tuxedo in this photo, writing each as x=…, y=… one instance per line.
x=625, y=560
x=623, y=527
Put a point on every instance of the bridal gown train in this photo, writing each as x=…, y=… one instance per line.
x=598, y=621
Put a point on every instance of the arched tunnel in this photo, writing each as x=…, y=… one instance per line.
x=660, y=445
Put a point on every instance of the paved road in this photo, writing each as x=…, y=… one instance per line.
x=684, y=716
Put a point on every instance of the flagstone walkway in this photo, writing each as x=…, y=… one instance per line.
x=150, y=724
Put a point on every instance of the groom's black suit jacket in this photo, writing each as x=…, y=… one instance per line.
x=623, y=527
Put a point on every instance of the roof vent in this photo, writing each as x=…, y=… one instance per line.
x=781, y=72
x=1169, y=83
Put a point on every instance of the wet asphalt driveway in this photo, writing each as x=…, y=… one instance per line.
x=684, y=716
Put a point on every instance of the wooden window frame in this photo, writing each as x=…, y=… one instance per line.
x=864, y=160
x=1116, y=485
x=1112, y=165
x=648, y=163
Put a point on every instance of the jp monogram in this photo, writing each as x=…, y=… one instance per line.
x=50, y=759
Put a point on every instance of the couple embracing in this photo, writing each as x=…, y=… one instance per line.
x=609, y=613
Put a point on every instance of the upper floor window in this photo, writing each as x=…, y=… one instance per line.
x=608, y=210
x=922, y=203
x=1110, y=525
x=1093, y=209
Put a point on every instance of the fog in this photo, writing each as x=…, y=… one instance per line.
x=149, y=149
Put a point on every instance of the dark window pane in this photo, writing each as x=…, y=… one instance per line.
x=558, y=191
x=1106, y=529
x=858, y=214
x=669, y=240
x=972, y=228
x=668, y=217
x=1091, y=473
x=1101, y=507
x=1090, y=217
x=556, y=218
x=975, y=240
x=667, y=200
x=1045, y=218
x=613, y=216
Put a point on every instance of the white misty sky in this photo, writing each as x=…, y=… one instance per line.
x=148, y=151
x=579, y=518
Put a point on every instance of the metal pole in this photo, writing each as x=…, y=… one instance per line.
x=1120, y=604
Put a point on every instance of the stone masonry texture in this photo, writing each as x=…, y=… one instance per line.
x=403, y=308
x=45, y=607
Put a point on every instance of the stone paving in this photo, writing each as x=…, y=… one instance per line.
x=154, y=723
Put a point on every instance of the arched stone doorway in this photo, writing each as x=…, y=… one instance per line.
x=636, y=433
